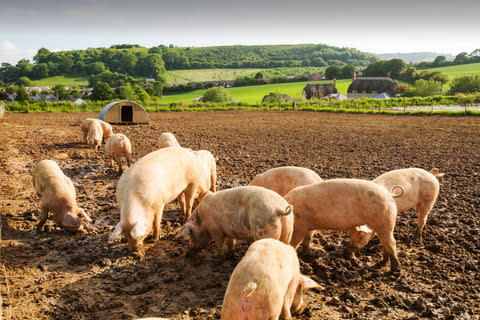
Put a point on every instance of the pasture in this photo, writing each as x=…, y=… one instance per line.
x=459, y=71
x=254, y=94
x=60, y=275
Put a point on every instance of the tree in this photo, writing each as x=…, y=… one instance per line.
x=461, y=58
x=126, y=92
x=333, y=72
x=101, y=91
x=466, y=84
x=96, y=67
x=259, y=75
x=439, y=61
x=158, y=88
x=22, y=94
x=24, y=81
x=40, y=71
x=42, y=55
x=217, y=94
x=425, y=88
x=394, y=67
x=60, y=92
x=347, y=71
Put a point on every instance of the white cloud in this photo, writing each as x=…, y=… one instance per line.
x=10, y=53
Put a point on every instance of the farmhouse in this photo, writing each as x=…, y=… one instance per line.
x=372, y=87
x=319, y=90
x=124, y=112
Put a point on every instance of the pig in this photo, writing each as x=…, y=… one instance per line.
x=167, y=139
x=95, y=134
x=148, y=185
x=119, y=145
x=342, y=204
x=421, y=191
x=283, y=179
x=57, y=195
x=106, y=129
x=266, y=283
x=209, y=177
x=84, y=128
x=247, y=213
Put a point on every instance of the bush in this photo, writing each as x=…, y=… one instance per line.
x=467, y=84
x=217, y=94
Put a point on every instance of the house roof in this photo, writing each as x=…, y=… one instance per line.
x=370, y=84
x=318, y=90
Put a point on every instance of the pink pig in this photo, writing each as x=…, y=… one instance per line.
x=266, y=283
x=283, y=179
x=57, y=195
x=117, y=146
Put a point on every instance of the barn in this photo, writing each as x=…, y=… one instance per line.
x=123, y=112
x=319, y=90
x=372, y=87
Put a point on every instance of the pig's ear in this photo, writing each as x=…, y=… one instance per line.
x=185, y=232
x=307, y=283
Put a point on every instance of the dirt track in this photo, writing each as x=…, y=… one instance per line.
x=61, y=275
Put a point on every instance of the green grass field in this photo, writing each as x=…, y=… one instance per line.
x=255, y=94
x=71, y=81
x=185, y=76
x=458, y=71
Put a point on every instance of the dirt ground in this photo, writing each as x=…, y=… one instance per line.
x=60, y=275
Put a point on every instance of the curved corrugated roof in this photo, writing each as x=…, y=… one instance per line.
x=105, y=109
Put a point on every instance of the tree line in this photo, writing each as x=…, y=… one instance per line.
x=121, y=61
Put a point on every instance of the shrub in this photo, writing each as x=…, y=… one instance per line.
x=467, y=84
x=217, y=94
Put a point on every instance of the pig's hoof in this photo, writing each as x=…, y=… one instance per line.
x=395, y=273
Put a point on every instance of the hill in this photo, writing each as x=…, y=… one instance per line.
x=413, y=57
x=119, y=63
x=459, y=70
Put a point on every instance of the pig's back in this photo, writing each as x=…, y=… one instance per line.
x=271, y=265
x=163, y=173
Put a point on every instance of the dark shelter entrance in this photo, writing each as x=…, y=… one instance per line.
x=127, y=114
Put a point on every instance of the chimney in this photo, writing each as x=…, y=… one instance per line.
x=354, y=77
x=334, y=82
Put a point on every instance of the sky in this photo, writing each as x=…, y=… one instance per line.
x=372, y=25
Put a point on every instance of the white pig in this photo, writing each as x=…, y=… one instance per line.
x=57, y=195
x=84, y=128
x=117, y=146
x=209, y=177
x=148, y=185
x=283, y=179
x=342, y=204
x=95, y=133
x=421, y=190
x=247, y=213
x=266, y=283
x=107, y=130
x=167, y=139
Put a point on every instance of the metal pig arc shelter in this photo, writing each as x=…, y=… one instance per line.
x=124, y=112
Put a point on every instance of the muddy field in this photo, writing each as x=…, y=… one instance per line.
x=60, y=275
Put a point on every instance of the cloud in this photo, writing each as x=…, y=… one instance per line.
x=10, y=53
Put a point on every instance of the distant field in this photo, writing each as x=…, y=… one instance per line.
x=458, y=71
x=255, y=94
x=184, y=76
x=70, y=81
